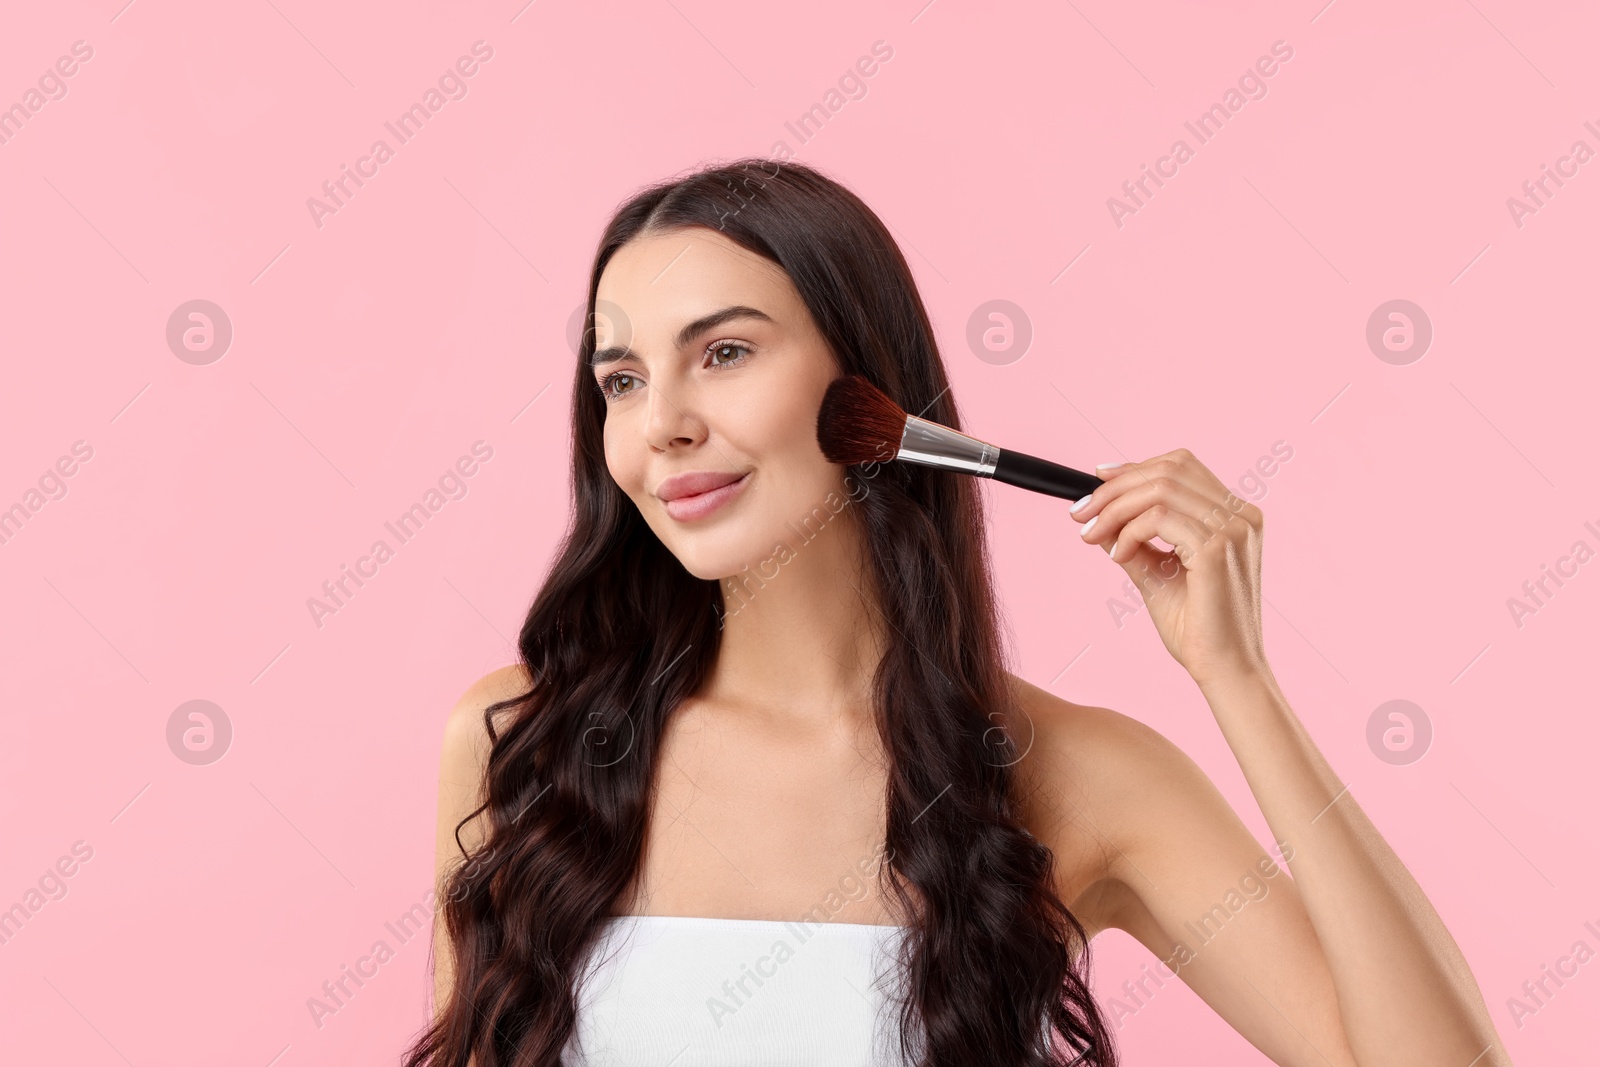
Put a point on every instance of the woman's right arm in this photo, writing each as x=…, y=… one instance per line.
x=463, y=757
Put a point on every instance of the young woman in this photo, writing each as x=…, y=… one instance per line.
x=761, y=790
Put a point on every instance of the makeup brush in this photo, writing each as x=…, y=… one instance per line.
x=858, y=423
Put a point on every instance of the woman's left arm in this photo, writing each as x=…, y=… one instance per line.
x=1405, y=993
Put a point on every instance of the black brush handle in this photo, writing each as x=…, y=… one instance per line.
x=1042, y=476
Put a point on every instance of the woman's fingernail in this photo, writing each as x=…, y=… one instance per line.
x=1087, y=527
x=1106, y=466
x=1113, y=549
x=1082, y=503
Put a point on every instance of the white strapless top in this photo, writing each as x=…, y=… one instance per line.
x=680, y=991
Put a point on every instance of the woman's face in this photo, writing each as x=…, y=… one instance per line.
x=713, y=370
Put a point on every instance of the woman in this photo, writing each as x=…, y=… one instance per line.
x=761, y=745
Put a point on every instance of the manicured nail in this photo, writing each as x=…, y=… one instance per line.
x=1082, y=503
x=1106, y=466
x=1087, y=527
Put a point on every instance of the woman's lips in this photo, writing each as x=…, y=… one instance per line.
x=689, y=508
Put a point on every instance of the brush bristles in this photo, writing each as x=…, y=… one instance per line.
x=858, y=423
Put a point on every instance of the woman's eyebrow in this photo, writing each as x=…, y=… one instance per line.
x=688, y=333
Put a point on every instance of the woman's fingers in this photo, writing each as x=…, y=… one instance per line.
x=1186, y=536
x=1174, y=497
x=1186, y=513
x=1179, y=465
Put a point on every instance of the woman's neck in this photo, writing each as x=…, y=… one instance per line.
x=801, y=633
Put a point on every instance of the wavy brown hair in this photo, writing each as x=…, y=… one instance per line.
x=620, y=633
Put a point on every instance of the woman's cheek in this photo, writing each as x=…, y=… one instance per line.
x=775, y=432
x=619, y=465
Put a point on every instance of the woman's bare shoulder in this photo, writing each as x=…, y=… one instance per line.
x=499, y=684
x=1081, y=775
x=464, y=756
x=1096, y=746
x=466, y=735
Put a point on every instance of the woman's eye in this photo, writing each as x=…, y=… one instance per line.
x=726, y=346
x=616, y=376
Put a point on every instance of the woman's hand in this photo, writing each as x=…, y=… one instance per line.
x=1204, y=596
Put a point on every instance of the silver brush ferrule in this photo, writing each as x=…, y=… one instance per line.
x=934, y=445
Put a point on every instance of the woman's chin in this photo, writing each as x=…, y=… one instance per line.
x=708, y=566
x=713, y=566
x=719, y=570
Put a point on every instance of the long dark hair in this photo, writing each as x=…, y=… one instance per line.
x=620, y=633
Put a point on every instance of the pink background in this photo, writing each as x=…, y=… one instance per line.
x=1227, y=315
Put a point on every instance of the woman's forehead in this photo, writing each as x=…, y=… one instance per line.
x=653, y=287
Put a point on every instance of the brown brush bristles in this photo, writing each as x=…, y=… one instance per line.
x=858, y=423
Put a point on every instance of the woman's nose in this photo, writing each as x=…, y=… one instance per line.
x=671, y=420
